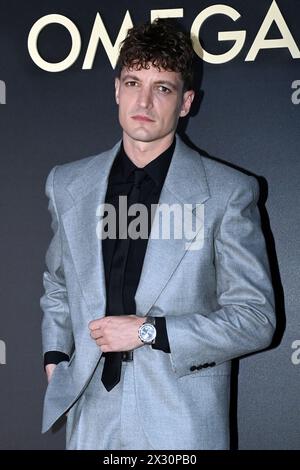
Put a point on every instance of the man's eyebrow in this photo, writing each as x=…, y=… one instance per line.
x=167, y=83
x=129, y=76
x=163, y=82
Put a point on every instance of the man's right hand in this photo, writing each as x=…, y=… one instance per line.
x=49, y=370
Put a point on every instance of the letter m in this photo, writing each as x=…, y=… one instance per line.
x=99, y=33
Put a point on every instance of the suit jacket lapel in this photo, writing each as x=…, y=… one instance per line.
x=185, y=183
x=82, y=224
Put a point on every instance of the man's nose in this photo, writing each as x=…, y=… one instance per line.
x=145, y=97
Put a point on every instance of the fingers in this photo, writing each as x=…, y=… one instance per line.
x=101, y=342
x=96, y=334
x=49, y=371
x=98, y=337
x=95, y=324
x=101, y=322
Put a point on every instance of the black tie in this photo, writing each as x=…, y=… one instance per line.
x=113, y=360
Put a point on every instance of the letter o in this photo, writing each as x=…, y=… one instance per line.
x=33, y=39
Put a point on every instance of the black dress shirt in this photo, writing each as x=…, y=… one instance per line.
x=119, y=184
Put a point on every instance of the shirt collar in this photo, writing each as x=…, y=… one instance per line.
x=157, y=169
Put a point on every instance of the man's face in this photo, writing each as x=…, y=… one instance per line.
x=150, y=103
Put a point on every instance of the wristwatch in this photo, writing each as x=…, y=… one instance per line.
x=147, y=331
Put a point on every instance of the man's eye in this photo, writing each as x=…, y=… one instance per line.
x=164, y=89
x=131, y=83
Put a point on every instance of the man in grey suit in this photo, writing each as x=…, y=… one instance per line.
x=139, y=332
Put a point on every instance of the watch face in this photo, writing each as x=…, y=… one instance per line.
x=148, y=332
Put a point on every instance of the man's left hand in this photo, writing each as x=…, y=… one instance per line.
x=117, y=332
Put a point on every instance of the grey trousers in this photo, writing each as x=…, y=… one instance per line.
x=102, y=420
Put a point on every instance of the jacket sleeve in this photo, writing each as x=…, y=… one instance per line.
x=56, y=324
x=245, y=319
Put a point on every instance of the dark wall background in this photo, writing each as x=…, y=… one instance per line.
x=246, y=118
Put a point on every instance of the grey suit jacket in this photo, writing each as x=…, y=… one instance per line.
x=217, y=298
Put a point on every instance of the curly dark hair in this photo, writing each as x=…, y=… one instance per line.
x=162, y=44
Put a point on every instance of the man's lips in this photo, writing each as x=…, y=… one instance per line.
x=140, y=117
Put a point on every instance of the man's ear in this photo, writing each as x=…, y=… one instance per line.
x=187, y=100
x=117, y=88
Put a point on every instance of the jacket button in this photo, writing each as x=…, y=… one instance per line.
x=199, y=367
x=212, y=364
x=205, y=365
x=192, y=368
